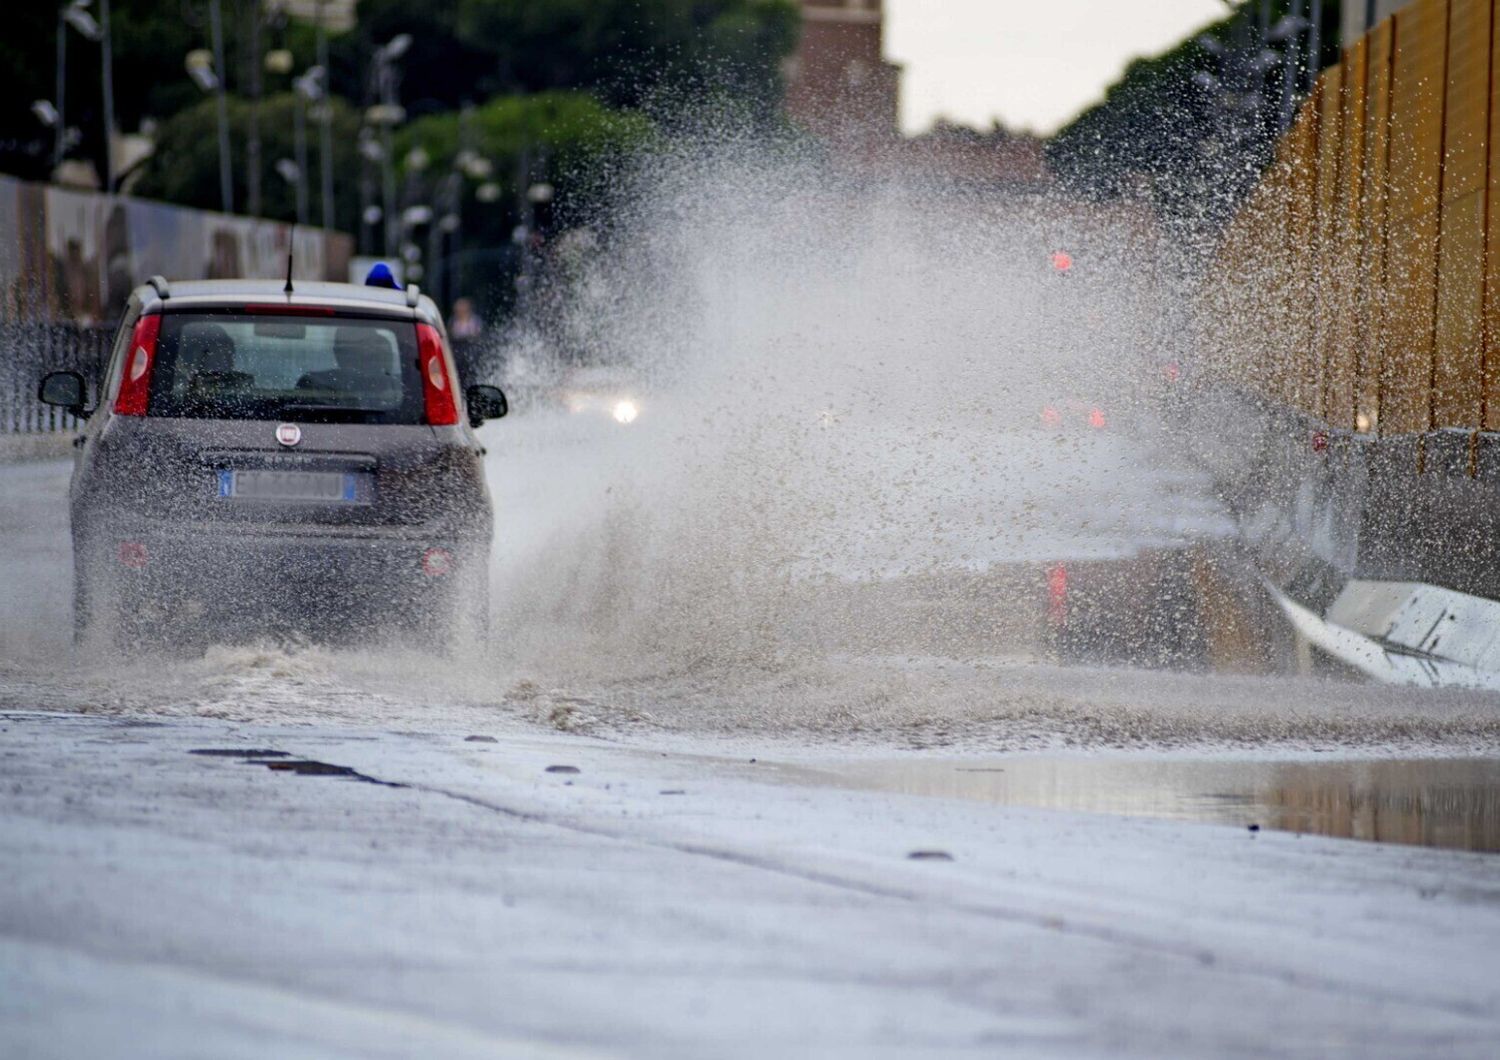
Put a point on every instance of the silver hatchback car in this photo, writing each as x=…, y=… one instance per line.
x=262, y=459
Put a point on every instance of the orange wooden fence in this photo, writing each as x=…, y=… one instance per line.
x=1360, y=282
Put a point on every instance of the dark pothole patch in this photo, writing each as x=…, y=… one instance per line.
x=306, y=767
x=238, y=752
x=282, y=762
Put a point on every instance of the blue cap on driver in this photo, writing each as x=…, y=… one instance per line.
x=381, y=276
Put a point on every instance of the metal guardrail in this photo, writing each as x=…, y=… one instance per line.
x=29, y=351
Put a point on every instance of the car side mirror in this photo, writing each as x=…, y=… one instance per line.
x=485, y=403
x=65, y=390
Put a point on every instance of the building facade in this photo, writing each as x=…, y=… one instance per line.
x=839, y=85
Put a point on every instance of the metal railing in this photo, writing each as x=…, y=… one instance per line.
x=29, y=351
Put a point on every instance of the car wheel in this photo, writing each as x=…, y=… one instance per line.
x=97, y=615
x=470, y=620
x=82, y=602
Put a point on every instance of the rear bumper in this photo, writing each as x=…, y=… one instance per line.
x=309, y=576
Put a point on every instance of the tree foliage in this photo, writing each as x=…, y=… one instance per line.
x=624, y=51
x=184, y=168
x=567, y=139
x=627, y=53
x=1161, y=132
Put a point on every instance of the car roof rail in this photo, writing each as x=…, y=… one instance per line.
x=163, y=291
x=413, y=295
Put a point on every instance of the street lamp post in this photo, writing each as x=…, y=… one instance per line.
x=299, y=151
x=293, y=175
x=388, y=190
x=370, y=214
x=55, y=114
x=252, y=114
x=325, y=130
x=386, y=114
x=1291, y=65
x=1315, y=44
x=226, y=181
x=308, y=89
x=107, y=73
x=62, y=89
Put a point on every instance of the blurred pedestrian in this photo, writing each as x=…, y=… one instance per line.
x=465, y=329
x=465, y=323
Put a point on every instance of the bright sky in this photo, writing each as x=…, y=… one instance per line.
x=1031, y=63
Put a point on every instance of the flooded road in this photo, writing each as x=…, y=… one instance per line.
x=1437, y=802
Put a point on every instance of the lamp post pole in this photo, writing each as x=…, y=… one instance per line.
x=61, y=130
x=1291, y=69
x=388, y=192
x=1315, y=44
x=389, y=85
x=325, y=128
x=299, y=148
x=308, y=89
x=252, y=115
x=107, y=72
x=226, y=180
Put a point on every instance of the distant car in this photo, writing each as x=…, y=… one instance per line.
x=1072, y=414
x=268, y=460
x=610, y=391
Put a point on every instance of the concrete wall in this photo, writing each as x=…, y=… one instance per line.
x=73, y=256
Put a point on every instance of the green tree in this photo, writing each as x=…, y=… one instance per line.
x=1160, y=131
x=673, y=55
x=184, y=168
x=625, y=51
x=569, y=139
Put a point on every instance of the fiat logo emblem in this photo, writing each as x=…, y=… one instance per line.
x=288, y=434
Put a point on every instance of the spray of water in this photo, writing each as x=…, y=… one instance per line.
x=881, y=443
x=864, y=403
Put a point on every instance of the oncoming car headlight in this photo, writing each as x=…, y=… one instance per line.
x=625, y=411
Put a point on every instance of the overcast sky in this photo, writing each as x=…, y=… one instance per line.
x=1031, y=63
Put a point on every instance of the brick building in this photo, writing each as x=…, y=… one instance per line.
x=841, y=88
x=839, y=84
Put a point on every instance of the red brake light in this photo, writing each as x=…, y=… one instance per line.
x=1057, y=594
x=135, y=383
x=437, y=387
x=292, y=310
x=133, y=555
x=1096, y=419
x=437, y=562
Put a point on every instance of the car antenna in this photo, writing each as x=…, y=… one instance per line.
x=291, y=245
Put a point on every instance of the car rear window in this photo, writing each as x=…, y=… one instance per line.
x=265, y=366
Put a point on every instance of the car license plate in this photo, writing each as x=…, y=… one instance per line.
x=336, y=487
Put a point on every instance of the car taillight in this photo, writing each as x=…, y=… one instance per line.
x=1096, y=419
x=133, y=555
x=135, y=384
x=1057, y=594
x=437, y=388
x=437, y=562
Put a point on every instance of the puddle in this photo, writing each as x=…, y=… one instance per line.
x=1440, y=802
